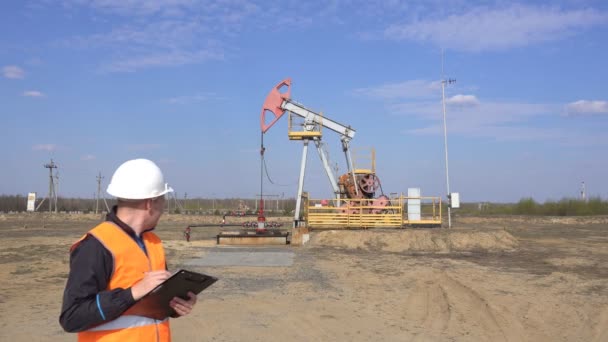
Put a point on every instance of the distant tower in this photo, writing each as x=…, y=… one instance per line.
x=99, y=178
x=583, y=192
x=52, y=195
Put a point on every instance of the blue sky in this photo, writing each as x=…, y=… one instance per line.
x=94, y=83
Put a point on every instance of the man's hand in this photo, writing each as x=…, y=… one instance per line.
x=148, y=283
x=183, y=307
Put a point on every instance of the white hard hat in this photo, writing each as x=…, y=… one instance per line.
x=138, y=179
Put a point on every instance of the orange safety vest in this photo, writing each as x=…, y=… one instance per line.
x=130, y=263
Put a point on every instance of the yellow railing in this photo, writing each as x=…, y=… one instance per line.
x=362, y=213
x=364, y=160
x=303, y=134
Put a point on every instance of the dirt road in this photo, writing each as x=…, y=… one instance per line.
x=531, y=280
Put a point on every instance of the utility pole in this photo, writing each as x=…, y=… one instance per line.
x=99, y=178
x=445, y=140
x=52, y=194
x=56, y=188
x=168, y=203
x=176, y=202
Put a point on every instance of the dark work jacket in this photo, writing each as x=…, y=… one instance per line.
x=86, y=302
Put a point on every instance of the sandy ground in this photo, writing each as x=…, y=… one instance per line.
x=499, y=279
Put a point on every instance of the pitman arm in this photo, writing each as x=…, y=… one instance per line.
x=278, y=103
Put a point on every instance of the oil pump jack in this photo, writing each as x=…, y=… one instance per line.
x=356, y=183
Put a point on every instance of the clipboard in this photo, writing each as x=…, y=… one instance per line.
x=155, y=304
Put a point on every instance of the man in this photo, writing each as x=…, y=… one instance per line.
x=119, y=261
x=187, y=232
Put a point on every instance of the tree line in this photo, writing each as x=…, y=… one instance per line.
x=230, y=206
x=249, y=206
x=528, y=206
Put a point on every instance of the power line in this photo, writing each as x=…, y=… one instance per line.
x=268, y=176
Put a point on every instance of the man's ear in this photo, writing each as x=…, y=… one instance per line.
x=149, y=203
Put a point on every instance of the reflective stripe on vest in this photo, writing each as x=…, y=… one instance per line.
x=127, y=321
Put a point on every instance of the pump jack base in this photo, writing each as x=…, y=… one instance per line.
x=253, y=237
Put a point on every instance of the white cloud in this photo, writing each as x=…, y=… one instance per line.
x=153, y=43
x=165, y=34
x=486, y=113
x=32, y=93
x=482, y=28
x=87, y=157
x=421, y=100
x=34, y=61
x=140, y=8
x=583, y=107
x=462, y=101
x=499, y=121
x=495, y=132
x=44, y=147
x=514, y=133
x=157, y=33
x=13, y=71
x=412, y=89
x=143, y=147
x=135, y=63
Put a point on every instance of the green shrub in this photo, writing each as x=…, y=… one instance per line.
x=528, y=206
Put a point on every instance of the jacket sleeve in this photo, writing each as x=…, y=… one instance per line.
x=86, y=302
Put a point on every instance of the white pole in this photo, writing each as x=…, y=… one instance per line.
x=445, y=141
x=300, y=185
x=445, y=144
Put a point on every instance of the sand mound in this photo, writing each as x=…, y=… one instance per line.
x=427, y=241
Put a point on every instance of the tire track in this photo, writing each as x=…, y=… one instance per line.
x=440, y=307
x=428, y=310
x=601, y=327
